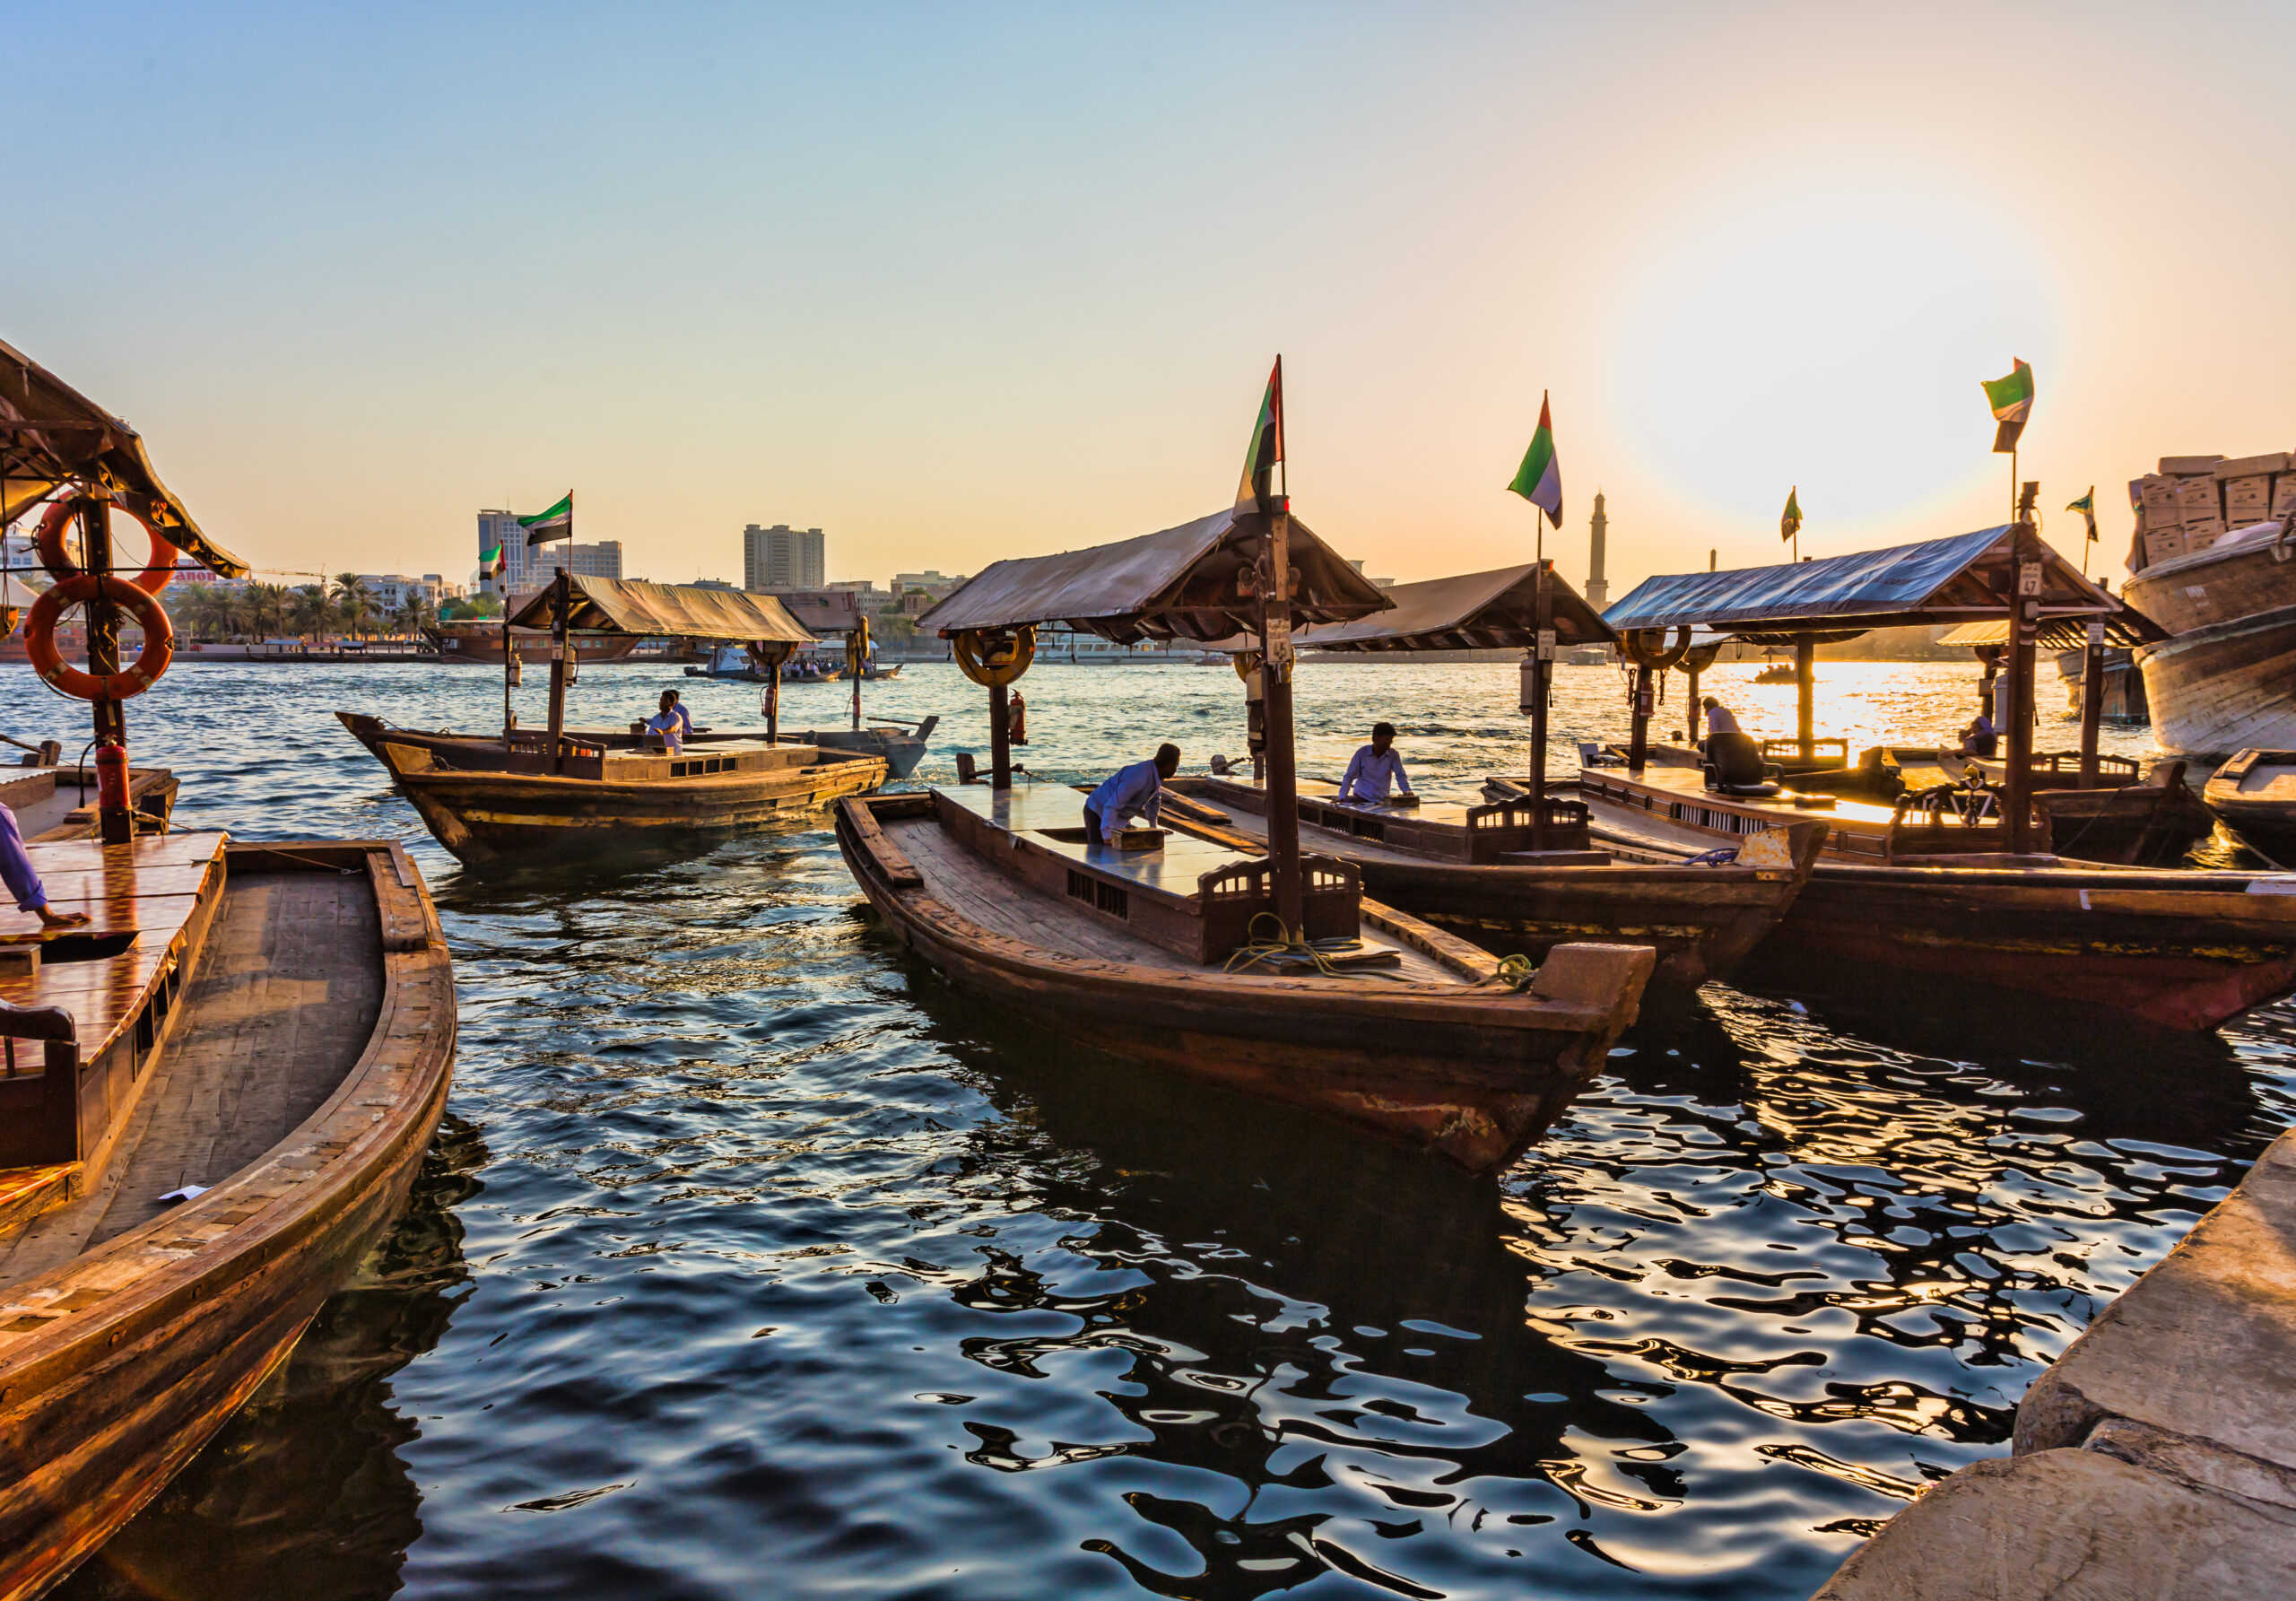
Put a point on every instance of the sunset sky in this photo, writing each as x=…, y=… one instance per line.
x=959, y=283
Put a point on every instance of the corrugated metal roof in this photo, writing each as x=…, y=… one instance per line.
x=1936, y=580
x=674, y=610
x=1179, y=583
x=52, y=437
x=1475, y=611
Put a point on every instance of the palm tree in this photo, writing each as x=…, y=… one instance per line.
x=310, y=612
x=416, y=614
x=353, y=600
x=265, y=606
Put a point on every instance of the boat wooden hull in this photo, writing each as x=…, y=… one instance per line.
x=119, y=1365
x=900, y=748
x=491, y=817
x=1472, y=1072
x=2227, y=681
x=2255, y=793
x=479, y=645
x=2137, y=825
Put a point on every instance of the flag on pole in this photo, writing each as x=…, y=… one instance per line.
x=1789, y=522
x=1252, y=492
x=1539, y=480
x=557, y=523
x=2087, y=507
x=491, y=561
x=2010, y=398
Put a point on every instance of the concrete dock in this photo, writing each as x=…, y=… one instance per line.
x=2155, y=1458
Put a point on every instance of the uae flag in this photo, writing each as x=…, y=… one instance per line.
x=491, y=561
x=1789, y=522
x=1539, y=481
x=1266, y=448
x=2087, y=507
x=557, y=523
x=2012, y=398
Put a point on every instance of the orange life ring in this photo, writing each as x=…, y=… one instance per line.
x=39, y=638
x=53, y=556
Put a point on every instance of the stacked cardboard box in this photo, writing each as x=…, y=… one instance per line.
x=2195, y=500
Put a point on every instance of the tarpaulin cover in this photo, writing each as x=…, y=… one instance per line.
x=673, y=611
x=2125, y=629
x=1180, y=583
x=1475, y=611
x=1937, y=581
x=52, y=437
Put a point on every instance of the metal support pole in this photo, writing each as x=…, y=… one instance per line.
x=2093, y=702
x=1638, y=749
x=1542, y=674
x=773, y=701
x=1283, y=769
x=116, y=824
x=1805, y=656
x=1000, y=737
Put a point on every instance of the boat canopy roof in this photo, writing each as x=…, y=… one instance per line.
x=1474, y=611
x=1178, y=583
x=678, y=611
x=2127, y=628
x=53, y=438
x=1937, y=581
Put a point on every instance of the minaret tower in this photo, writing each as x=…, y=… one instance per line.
x=1597, y=588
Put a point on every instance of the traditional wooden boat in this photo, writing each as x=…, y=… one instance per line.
x=1472, y=870
x=1517, y=877
x=2255, y=793
x=2221, y=683
x=156, y=1048
x=1269, y=972
x=1135, y=952
x=549, y=789
x=478, y=643
x=899, y=745
x=2130, y=815
x=263, y=1034
x=60, y=803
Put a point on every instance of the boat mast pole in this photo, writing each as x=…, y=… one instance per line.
x=2093, y=699
x=116, y=824
x=2025, y=614
x=1275, y=685
x=1542, y=670
x=562, y=602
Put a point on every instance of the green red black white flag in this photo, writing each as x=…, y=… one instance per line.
x=1539, y=480
x=557, y=523
x=1252, y=492
x=2012, y=399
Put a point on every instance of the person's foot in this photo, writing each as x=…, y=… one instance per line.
x=61, y=919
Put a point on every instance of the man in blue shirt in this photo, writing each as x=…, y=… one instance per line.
x=1376, y=766
x=1138, y=788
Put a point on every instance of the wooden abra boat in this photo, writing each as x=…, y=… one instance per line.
x=548, y=788
x=2255, y=793
x=1129, y=951
x=1472, y=871
x=2222, y=681
x=197, y=1033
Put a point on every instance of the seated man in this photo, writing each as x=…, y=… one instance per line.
x=22, y=879
x=1980, y=738
x=671, y=723
x=1138, y=788
x=1719, y=719
x=1374, y=768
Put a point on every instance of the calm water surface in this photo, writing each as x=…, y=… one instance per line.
x=753, y=1260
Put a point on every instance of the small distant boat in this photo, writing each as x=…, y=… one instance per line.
x=479, y=644
x=2255, y=793
x=1776, y=672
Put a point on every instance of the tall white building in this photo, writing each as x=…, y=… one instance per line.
x=599, y=560
x=783, y=558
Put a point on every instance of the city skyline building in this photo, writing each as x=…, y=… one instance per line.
x=784, y=557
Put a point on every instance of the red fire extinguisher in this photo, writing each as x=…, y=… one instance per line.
x=112, y=775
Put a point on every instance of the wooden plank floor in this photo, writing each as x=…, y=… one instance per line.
x=279, y=1013
x=975, y=889
x=1253, y=826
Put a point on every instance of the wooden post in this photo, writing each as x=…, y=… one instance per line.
x=1275, y=683
x=1542, y=671
x=859, y=660
x=1000, y=737
x=773, y=701
x=1805, y=656
x=1638, y=748
x=562, y=602
x=2024, y=608
x=1691, y=667
x=509, y=656
x=116, y=824
x=2092, y=701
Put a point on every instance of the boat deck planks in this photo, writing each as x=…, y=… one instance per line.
x=286, y=996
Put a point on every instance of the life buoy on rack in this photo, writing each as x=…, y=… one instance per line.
x=159, y=638
x=993, y=656
x=53, y=556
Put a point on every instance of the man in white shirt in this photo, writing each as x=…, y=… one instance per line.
x=1719, y=719
x=1375, y=768
x=672, y=723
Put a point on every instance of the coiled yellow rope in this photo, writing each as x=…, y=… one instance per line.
x=1289, y=949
